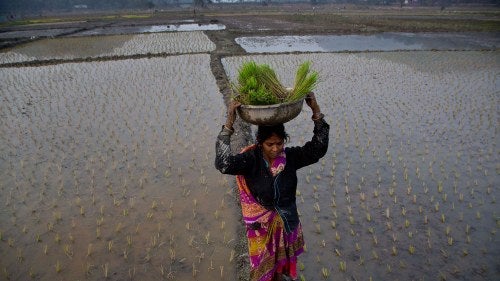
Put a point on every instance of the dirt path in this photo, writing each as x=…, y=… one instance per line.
x=226, y=46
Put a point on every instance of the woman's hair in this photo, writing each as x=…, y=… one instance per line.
x=265, y=132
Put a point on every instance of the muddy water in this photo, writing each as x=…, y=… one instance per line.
x=376, y=42
x=108, y=46
x=408, y=188
x=152, y=29
x=107, y=171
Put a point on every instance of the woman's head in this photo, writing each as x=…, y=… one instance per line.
x=271, y=139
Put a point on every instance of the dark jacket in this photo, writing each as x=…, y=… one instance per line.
x=274, y=193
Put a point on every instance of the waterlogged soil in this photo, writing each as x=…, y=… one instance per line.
x=152, y=29
x=107, y=47
x=107, y=172
x=111, y=175
x=407, y=190
x=366, y=43
x=107, y=163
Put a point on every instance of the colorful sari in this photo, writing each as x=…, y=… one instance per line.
x=271, y=249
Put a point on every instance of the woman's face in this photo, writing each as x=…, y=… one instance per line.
x=271, y=147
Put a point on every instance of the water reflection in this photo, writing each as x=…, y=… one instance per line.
x=107, y=172
x=106, y=46
x=376, y=42
x=184, y=27
x=407, y=187
x=152, y=29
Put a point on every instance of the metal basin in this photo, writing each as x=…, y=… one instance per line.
x=269, y=115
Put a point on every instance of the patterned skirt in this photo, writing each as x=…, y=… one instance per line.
x=271, y=249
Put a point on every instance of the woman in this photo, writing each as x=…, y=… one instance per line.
x=267, y=182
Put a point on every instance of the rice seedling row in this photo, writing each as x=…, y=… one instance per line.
x=408, y=186
x=107, y=172
x=109, y=46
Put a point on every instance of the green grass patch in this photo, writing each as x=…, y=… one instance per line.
x=31, y=21
x=60, y=20
x=136, y=16
x=110, y=17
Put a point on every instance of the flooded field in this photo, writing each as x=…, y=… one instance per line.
x=109, y=46
x=389, y=41
x=153, y=29
x=408, y=188
x=106, y=172
x=106, y=168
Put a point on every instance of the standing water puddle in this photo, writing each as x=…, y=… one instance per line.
x=184, y=27
x=152, y=29
x=377, y=42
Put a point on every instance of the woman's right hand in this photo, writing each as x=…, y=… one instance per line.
x=231, y=113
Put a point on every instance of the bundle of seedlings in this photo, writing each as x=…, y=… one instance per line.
x=258, y=84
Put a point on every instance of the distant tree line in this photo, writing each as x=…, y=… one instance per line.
x=33, y=6
x=40, y=5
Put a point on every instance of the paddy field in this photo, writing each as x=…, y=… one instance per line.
x=107, y=151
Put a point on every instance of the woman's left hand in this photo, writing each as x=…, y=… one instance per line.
x=313, y=104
